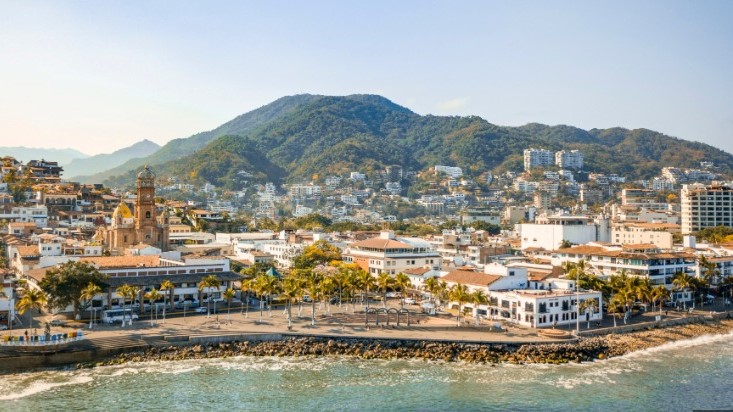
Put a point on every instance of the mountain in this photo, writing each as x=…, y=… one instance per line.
x=24, y=154
x=178, y=148
x=77, y=168
x=322, y=135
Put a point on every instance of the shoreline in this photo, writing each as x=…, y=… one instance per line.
x=586, y=349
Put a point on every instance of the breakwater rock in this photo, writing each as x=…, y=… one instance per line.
x=583, y=350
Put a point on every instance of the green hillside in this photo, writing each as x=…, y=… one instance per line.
x=178, y=148
x=321, y=135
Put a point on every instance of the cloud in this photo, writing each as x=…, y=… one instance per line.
x=454, y=104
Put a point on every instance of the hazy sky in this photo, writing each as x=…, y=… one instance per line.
x=100, y=75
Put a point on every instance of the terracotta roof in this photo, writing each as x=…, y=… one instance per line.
x=582, y=250
x=23, y=224
x=105, y=262
x=465, y=277
x=379, y=243
x=539, y=276
x=27, y=251
x=639, y=246
x=417, y=271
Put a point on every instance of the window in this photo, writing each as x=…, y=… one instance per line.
x=147, y=215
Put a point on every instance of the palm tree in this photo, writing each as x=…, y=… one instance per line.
x=127, y=291
x=682, y=281
x=384, y=282
x=209, y=283
x=659, y=294
x=402, y=282
x=291, y=289
x=312, y=280
x=588, y=305
x=459, y=293
x=478, y=297
x=170, y=287
x=246, y=286
x=152, y=297
x=615, y=306
x=31, y=299
x=341, y=279
x=88, y=294
x=229, y=294
x=431, y=286
x=366, y=282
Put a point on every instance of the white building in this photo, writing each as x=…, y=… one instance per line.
x=451, y=171
x=391, y=254
x=534, y=158
x=706, y=206
x=572, y=159
x=550, y=232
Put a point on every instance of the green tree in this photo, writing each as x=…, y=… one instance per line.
x=402, y=282
x=127, y=291
x=385, y=281
x=63, y=284
x=168, y=286
x=88, y=294
x=209, y=284
x=31, y=299
x=319, y=253
x=459, y=294
x=478, y=298
x=152, y=297
x=229, y=294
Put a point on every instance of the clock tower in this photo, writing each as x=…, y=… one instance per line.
x=145, y=212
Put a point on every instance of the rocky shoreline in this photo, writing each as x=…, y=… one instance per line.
x=584, y=350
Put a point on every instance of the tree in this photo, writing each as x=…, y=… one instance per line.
x=588, y=305
x=384, y=283
x=152, y=297
x=88, y=294
x=209, y=283
x=63, y=284
x=431, y=286
x=126, y=291
x=366, y=283
x=659, y=294
x=459, y=293
x=291, y=289
x=31, y=299
x=167, y=285
x=478, y=297
x=682, y=282
x=229, y=294
x=311, y=281
x=402, y=282
x=319, y=253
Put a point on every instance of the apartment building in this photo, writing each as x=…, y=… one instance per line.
x=569, y=159
x=706, y=206
x=534, y=158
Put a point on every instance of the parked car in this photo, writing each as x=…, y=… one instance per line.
x=201, y=309
x=394, y=295
x=58, y=322
x=410, y=301
x=306, y=299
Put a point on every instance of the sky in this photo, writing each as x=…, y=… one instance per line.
x=98, y=76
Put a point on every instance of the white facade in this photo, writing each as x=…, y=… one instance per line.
x=537, y=158
x=449, y=170
x=572, y=159
x=550, y=233
x=706, y=206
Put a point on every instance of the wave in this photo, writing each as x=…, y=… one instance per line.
x=42, y=386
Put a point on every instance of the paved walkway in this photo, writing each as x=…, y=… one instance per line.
x=340, y=321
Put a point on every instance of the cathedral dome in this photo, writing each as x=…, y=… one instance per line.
x=122, y=211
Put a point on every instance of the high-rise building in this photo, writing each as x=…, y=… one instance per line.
x=569, y=159
x=534, y=158
x=706, y=206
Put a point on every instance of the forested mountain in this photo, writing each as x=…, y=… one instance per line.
x=322, y=135
x=77, y=168
x=241, y=125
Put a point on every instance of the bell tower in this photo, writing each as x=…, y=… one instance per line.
x=145, y=202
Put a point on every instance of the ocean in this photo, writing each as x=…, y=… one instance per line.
x=683, y=375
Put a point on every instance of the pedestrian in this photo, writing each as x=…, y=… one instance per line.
x=26, y=335
x=666, y=312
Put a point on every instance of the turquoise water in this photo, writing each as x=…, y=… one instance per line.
x=685, y=375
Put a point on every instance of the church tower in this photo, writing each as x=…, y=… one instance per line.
x=145, y=203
